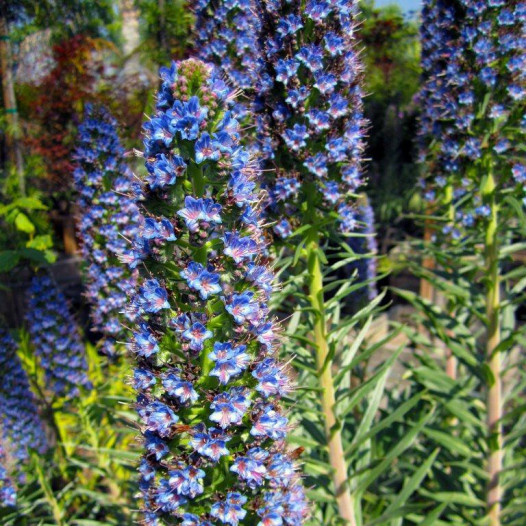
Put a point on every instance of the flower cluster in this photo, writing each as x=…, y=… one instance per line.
x=226, y=35
x=364, y=245
x=20, y=423
x=473, y=101
x=7, y=488
x=107, y=217
x=208, y=381
x=56, y=338
x=309, y=106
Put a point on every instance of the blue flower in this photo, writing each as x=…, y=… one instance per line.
x=56, y=338
x=212, y=444
x=270, y=424
x=206, y=149
x=145, y=343
x=182, y=390
x=295, y=137
x=230, y=510
x=242, y=307
x=240, y=249
x=152, y=297
x=286, y=70
x=159, y=418
x=196, y=335
x=229, y=361
x=198, y=278
x=211, y=278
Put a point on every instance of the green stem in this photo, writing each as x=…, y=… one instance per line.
x=494, y=400
x=48, y=492
x=324, y=370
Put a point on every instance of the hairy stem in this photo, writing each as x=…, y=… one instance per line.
x=494, y=400
x=324, y=370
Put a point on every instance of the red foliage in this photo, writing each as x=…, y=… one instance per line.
x=56, y=110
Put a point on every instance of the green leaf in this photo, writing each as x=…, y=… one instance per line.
x=40, y=242
x=37, y=256
x=395, y=452
x=434, y=515
x=454, y=497
x=8, y=260
x=450, y=442
x=29, y=203
x=23, y=223
x=412, y=484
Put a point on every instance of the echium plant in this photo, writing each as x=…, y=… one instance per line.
x=226, y=35
x=7, y=488
x=208, y=381
x=473, y=131
x=309, y=104
x=20, y=423
x=107, y=217
x=310, y=99
x=364, y=245
x=56, y=338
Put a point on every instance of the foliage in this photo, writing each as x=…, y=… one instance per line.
x=86, y=476
x=394, y=423
x=165, y=29
x=67, y=18
x=24, y=233
x=471, y=136
x=54, y=111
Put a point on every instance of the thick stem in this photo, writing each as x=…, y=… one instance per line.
x=324, y=369
x=451, y=360
x=494, y=401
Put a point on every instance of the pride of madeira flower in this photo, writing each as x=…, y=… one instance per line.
x=310, y=112
x=208, y=380
x=56, y=338
x=107, y=217
x=21, y=428
x=473, y=99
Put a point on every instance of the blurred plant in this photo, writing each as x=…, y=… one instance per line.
x=7, y=488
x=68, y=18
x=59, y=102
x=56, y=339
x=366, y=246
x=24, y=233
x=106, y=219
x=165, y=28
x=20, y=423
x=472, y=132
x=84, y=477
x=391, y=56
x=208, y=380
